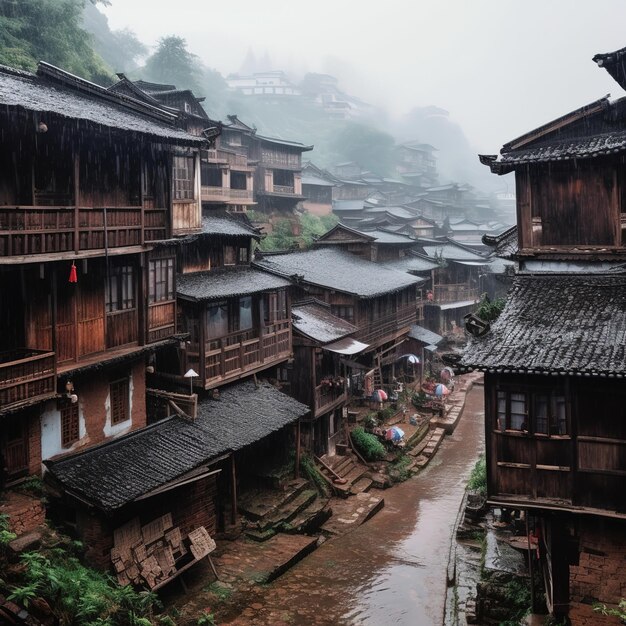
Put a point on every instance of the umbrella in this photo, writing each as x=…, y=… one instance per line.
x=441, y=390
x=412, y=358
x=382, y=394
x=394, y=434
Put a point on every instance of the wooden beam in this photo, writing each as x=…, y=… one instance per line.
x=297, y=468
x=233, y=490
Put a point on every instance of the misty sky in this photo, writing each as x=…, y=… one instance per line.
x=501, y=67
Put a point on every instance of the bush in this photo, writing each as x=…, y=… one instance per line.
x=399, y=470
x=370, y=421
x=79, y=595
x=478, y=478
x=310, y=470
x=385, y=414
x=368, y=445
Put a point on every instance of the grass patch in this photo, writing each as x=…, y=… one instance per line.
x=221, y=592
x=478, y=478
x=399, y=470
x=312, y=473
x=368, y=445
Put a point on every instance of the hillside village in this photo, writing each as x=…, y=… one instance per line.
x=163, y=368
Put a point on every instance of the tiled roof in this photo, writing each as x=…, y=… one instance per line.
x=452, y=252
x=567, y=323
x=225, y=224
x=412, y=263
x=339, y=270
x=577, y=148
x=116, y=473
x=226, y=282
x=424, y=335
x=317, y=322
x=37, y=93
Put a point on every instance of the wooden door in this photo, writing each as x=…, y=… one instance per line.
x=90, y=314
x=66, y=321
x=16, y=445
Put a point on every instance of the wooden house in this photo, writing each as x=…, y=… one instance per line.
x=374, y=245
x=228, y=170
x=554, y=360
x=238, y=317
x=318, y=378
x=415, y=158
x=457, y=284
x=380, y=302
x=317, y=188
x=188, y=467
x=91, y=185
x=278, y=175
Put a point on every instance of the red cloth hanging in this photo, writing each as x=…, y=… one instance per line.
x=73, y=275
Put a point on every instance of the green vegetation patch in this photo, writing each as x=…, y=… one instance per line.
x=368, y=445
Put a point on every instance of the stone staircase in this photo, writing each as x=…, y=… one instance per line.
x=297, y=508
x=425, y=450
x=349, y=470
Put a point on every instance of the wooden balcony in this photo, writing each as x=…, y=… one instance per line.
x=29, y=230
x=386, y=328
x=327, y=398
x=444, y=294
x=283, y=189
x=231, y=158
x=225, y=194
x=26, y=376
x=238, y=354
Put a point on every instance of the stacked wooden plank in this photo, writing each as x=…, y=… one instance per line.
x=154, y=553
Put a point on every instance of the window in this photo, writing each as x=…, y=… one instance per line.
x=69, y=425
x=274, y=306
x=217, y=320
x=183, y=178
x=550, y=416
x=161, y=281
x=245, y=313
x=119, y=396
x=120, y=296
x=210, y=175
x=230, y=255
x=512, y=411
x=244, y=256
x=344, y=312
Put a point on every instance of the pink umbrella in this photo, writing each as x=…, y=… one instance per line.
x=382, y=394
x=441, y=390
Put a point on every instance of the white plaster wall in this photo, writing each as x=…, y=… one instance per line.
x=51, y=430
x=111, y=430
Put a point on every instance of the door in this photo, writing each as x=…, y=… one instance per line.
x=15, y=445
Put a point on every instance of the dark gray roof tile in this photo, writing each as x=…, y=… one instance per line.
x=116, y=473
x=336, y=269
x=227, y=282
x=561, y=323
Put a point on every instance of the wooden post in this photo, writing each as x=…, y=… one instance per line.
x=142, y=298
x=530, y=565
x=233, y=490
x=297, y=468
x=202, y=345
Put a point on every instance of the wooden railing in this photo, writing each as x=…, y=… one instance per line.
x=283, y=189
x=455, y=293
x=215, y=193
x=223, y=194
x=238, y=353
x=48, y=229
x=327, y=396
x=388, y=325
x=26, y=374
x=219, y=156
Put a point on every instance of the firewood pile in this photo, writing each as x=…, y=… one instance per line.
x=157, y=552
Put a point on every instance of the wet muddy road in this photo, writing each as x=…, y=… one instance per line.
x=391, y=570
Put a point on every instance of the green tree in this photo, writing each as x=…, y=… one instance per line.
x=173, y=64
x=48, y=30
x=368, y=146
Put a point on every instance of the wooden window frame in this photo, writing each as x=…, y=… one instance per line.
x=121, y=291
x=504, y=416
x=343, y=311
x=70, y=424
x=161, y=274
x=119, y=415
x=183, y=178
